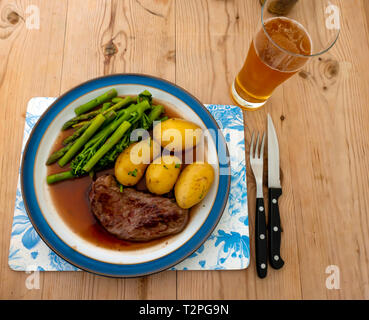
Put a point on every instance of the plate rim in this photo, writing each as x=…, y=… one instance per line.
x=122, y=275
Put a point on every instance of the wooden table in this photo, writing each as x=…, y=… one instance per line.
x=321, y=118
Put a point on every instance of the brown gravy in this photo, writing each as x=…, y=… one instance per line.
x=71, y=201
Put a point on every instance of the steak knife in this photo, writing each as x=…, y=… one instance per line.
x=275, y=191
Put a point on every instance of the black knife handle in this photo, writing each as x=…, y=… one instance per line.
x=261, y=247
x=274, y=221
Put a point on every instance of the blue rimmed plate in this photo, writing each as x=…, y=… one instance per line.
x=75, y=249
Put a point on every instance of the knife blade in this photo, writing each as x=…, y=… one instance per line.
x=275, y=191
x=273, y=156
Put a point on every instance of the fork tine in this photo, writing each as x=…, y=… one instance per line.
x=252, y=146
x=257, y=146
x=262, y=147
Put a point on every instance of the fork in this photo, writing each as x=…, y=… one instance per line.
x=256, y=161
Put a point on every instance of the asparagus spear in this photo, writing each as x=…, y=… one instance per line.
x=79, y=132
x=110, y=143
x=120, y=104
x=82, y=117
x=95, y=102
x=112, y=155
x=68, y=141
x=155, y=113
x=106, y=105
x=99, y=144
x=144, y=95
x=53, y=178
x=109, y=117
x=80, y=142
x=162, y=119
x=99, y=139
x=58, y=154
x=123, y=115
x=116, y=99
x=79, y=124
x=76, y=134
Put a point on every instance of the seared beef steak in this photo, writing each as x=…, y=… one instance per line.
x=134, y=215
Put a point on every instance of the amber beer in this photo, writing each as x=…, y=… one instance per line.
x=276, y=53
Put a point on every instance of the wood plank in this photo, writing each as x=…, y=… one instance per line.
x=314, y=257
x=321, y=120
x=329, y=165
x=151, y=50
x=21, y=62
x=211, y=40
x=113, y=39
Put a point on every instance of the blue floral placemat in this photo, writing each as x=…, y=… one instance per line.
x=228, y=248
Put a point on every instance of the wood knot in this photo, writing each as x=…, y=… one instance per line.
x=13, y=17
x=110, y=49
x=171, y=55
x=331, y=69
x=303, y=74
x=282, y=117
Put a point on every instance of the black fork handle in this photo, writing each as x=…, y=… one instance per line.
x=261, y=248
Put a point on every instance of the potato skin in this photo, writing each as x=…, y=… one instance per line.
x=162, y=174
x=193, y=184
x=172, y=135
x=131, y=164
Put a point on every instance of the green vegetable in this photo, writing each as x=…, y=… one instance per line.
x=147, y=120
x=109, y=117
x=58, y=154
x=91, y=148
x=104, y=137
x=79, y=143
x=124, y=102
x=123, y=115
x=144, y=95
x=96, y=102
x=106, y=108
x=133, y=173
x=107, y=105
x=59, y=177
x=163, y=118
x=76, y=134
x=111, y=156
x=82, y=117
x=116, y=99
x=109, y=159
x=155, y=113
x=110, y=143
x=79, y=124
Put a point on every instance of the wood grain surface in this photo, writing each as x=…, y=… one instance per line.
x=321, y=117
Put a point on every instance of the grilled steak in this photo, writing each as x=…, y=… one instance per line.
x=134, y=215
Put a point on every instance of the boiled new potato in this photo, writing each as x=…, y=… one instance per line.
x=193, y=184
x=177, y=134
x=133, y=161
x=162, y=174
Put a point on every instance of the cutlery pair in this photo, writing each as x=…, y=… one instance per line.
x=274, y=191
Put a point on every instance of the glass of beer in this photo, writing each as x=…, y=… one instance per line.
x=292, y=31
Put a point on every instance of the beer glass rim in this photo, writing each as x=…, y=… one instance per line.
x=293, y=53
